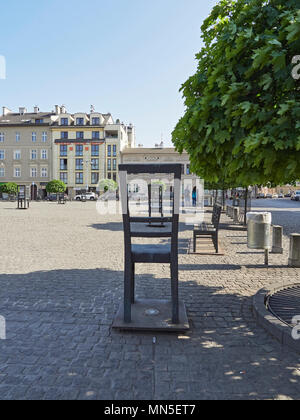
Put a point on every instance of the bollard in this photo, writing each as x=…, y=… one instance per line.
x=236, y=213
x=294, y=259
x=277, y=240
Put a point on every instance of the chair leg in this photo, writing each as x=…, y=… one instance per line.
x=175, y=296
x=127, y=293
x=133, y=284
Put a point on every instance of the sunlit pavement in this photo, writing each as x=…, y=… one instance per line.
x=61, y=283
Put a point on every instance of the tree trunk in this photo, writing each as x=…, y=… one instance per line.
x=246, y=206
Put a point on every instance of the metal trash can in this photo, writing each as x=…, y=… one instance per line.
x=259, y=230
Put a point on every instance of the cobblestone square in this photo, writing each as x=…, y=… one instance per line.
x=61, y=282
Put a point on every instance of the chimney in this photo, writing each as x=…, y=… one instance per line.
x=6, y=111
x=57, y=110
x=63, y=109
x=22, y=110
x=36, y=109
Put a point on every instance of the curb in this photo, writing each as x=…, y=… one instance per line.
x=276, y=328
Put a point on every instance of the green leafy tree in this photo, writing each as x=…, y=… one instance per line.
x=56, y=187
x=108, y=185
x=9, y=188
x=241, y=124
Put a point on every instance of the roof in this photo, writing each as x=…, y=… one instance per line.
x=154, y=150
x=12, y=119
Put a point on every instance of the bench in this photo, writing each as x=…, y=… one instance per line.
x=209, y=229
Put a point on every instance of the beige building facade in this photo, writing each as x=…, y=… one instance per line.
x=26, y=149
x=79, y=149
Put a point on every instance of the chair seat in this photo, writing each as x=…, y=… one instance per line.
x=204, y=228
x=151, y=253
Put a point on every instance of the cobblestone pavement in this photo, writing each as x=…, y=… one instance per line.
x=61, y=282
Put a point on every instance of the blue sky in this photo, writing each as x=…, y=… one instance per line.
x=127, y=57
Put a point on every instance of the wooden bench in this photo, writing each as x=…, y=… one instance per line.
x=209, y=229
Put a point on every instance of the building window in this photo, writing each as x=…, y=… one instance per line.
x=44, y=154
x=79, y=150
x=63, y=150
x=44, y=137
x=33, y=172
x=114, y=164
x=33, y=155
x=64, y=177
x=95, y=121
x=115, y=177
x=79, y=135
x=79, y=121
x=96, y=135
x=109, y=164
x=79, y=178
x=2, y=137
x=17, y=155
x=17, y=172
x=33, y=137
x=79, y=164
x=109, y=175
x=95, y=177
x=18, y=137
x=44, y=172
x=109, y=150
x=95, y=149
x=63, y=164
x=188, y=171
x=39, y=121
x=2, y=154
x=64, y=121
x=114, y=150
x=64, y=135
x=95, y=164
x=2, y=172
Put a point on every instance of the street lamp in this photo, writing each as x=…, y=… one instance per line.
x=87, y=174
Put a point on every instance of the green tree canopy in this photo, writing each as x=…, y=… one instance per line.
x=108, y=185
x=56, y=187
x=242, y=119
x=9, y=188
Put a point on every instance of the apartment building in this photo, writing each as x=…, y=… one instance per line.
x=26, y=149
x=87, y=147
x=79, y=149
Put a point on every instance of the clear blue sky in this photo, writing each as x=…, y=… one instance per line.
x=127, y=57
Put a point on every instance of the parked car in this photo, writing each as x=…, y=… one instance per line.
x=296, y=196
x=275, y=196
x=269, y=195
x=288, y=195
x=90, y=196
x=280, y=196
x=261, y=195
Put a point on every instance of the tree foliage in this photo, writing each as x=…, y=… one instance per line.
x=108, y=185
x=242, y=119
x=56, y=187
x=9, y=188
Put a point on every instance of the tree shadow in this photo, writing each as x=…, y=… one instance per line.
x=60, y=343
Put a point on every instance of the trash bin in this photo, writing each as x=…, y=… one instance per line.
x=259, y=230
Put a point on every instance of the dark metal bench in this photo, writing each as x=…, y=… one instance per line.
x=209, y=229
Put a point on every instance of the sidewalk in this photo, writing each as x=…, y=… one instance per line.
x=61, y=283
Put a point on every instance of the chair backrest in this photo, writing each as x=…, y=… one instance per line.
x=216, y=216
x=154, y=169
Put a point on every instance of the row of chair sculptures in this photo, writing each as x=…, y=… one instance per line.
x=166, y=253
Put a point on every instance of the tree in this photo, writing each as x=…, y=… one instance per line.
x=9, y=188
x=241, y=123
x=56, y=187
x=108, y=185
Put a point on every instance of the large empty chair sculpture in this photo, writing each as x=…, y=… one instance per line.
x=150, y=253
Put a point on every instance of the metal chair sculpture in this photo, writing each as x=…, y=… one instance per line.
x=23, y=198
x=152, y=208
x=136, y=254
